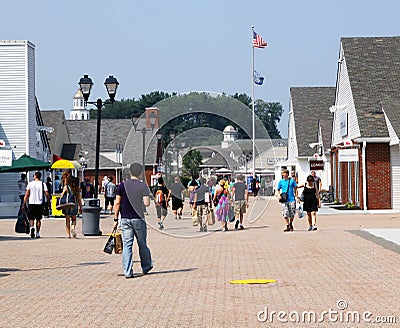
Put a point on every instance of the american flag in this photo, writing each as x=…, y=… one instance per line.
x=258, y=42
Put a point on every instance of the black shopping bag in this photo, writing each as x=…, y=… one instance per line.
x=22, y=224
x=110, y=245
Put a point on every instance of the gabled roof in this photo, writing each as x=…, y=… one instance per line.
x=220, y=160
x=310, y=105
x=113, y=132
x=268, y=149
x=134, y=141
x=373, y=65
x=391, y=107
x=54, y=119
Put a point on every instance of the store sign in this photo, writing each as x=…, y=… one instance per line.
x=316, y=165
x=348, y=155
x=5, y=157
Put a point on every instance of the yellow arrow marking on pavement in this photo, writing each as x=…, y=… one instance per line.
x=252, y=281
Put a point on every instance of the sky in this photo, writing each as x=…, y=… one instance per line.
x=181, y=46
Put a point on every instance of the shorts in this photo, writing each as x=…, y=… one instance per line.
x=202, y=210
x=71, y=211
x=109, y=200
x=289, y=210
x=176, y=203
x=161, y=212
x=35, y=212
x=240, y=206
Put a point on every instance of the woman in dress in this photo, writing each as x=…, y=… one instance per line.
x=221, y=203
x=311, y=202
x=71, y=186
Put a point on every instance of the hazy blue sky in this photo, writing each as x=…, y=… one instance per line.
x=189, y=45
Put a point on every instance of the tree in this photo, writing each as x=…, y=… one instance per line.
x=191, y=163
x=243, y=98
x=269, y=114
x=128, y=108
x=153, y=98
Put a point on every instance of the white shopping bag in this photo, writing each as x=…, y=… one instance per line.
x=299, y=210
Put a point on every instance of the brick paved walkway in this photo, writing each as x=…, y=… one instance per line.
x=58, y=282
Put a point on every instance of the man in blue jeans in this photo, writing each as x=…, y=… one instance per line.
x=132, y=194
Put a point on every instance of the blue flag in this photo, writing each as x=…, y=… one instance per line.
x=258, y=79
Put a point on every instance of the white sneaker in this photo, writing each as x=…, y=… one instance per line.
x=37, y=235
x=73, y=233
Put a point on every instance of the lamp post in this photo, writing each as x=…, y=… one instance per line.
x=135, y=122
x=248, y=157
x=83, y=163
x=172, y=136
x=177, y=155
x=159, y=150
x=85, y=85
x=144, y=152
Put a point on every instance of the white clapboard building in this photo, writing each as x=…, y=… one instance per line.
x=21, y=126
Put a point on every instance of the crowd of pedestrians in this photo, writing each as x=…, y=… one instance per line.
x=227, y=200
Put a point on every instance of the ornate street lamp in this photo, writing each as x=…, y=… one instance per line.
x=135, y=119
x=85, y=84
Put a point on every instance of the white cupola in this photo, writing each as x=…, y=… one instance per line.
x=79, y=111
x=229, y=136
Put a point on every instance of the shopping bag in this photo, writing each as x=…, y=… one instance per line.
x=22, y=224
x=66, y=201
x=299, y=210
x=231, y=214
x=118, y=243
x=210, y=217
x=110, y=244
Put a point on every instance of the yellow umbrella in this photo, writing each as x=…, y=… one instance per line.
x=65, y=164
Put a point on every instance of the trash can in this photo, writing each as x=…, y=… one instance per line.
x=91, y=217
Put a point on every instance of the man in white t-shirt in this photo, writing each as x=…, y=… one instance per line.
x=35, y=191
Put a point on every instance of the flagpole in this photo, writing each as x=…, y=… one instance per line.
x=253, y=111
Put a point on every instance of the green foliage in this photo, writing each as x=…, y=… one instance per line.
x=350, y=205
x=153, y=98
x=191, y=163
x=268, y=113
x=243, y=98
x=128, y=108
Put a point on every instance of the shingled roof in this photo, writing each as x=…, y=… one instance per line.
x=310, y=105
x=373, y=65
x=391, y=107
x=112, y=133
x=54, y=119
